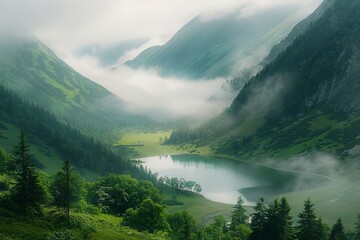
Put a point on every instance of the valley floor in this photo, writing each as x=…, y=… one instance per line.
x=339, y=199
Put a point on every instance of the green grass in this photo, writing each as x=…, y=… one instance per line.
x=198, y=206
x=336, y=200
x=150, y=144
x=101, y=226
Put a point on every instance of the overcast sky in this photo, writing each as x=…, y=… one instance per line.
x=67, y=25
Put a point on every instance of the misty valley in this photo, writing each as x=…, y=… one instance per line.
x=180, y=120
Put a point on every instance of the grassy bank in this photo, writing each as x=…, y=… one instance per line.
x=197, y=205
x=84, y=226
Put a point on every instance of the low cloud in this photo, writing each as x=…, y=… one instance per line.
x=264, y=97
x=317, y=164
x=161, y=98
x=313, y=171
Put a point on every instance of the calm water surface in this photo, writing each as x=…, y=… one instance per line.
x=223, y=180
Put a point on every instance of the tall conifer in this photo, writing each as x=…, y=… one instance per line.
x=28, y=194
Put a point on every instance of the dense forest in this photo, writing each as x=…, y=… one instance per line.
x=81, y=150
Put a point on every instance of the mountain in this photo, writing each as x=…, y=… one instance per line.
x=34, y=72
x=219, y=46
x=298, y=30
x=305, y=100
x=110, y=55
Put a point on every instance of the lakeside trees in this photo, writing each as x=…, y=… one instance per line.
x=180, y=184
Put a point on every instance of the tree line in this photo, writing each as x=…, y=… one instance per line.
x=180, y=184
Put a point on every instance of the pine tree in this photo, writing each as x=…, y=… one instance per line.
x=238, y=215
x=287, y=230
x=258, y=220
x=309, y=227
x=357, y=228
x=337, y=231
x=66, y=189
x=28, y=194
x=278, y=222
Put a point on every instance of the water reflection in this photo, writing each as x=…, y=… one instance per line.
x=223, y=180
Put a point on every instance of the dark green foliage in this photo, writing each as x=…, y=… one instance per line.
x=61, y=235
x=67, y=189
x=238, y=216
x=216, y=230
x=258, y=221
x=79, y=149
x=337, y=231
x=28, y=195
x=276, y=224
x=310, y=228
x=7, y=163
x=357, y=228
x=117, y=193
x=287, y=230
x=182, y=226
x=180, y=184
x=150, y=216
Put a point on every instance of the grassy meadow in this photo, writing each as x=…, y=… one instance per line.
x=151, y=144
x=85, y=226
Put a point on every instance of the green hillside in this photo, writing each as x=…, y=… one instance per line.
x=34, y=72
x=54, y=141
x=205, y=49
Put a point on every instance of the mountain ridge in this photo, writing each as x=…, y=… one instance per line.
x=212, y=48
x=32, y=70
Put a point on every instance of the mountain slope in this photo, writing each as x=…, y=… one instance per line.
x=109, y=56
x=210, y=48
x=33, y=71
x=305, y=100
x=52, y=141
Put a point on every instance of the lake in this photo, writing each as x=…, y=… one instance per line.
x=223, y=180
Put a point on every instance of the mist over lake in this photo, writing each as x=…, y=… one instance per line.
x=223, y=180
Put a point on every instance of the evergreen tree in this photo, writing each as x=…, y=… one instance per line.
x=278, y=223
x=272, y=224
x=238, y=216
x=357, y=228
x=66, y=189
x=258, y=220
x=28, y=194
x=309, y=227
x=337, y=231
x=324, y=229
x=287, y=230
